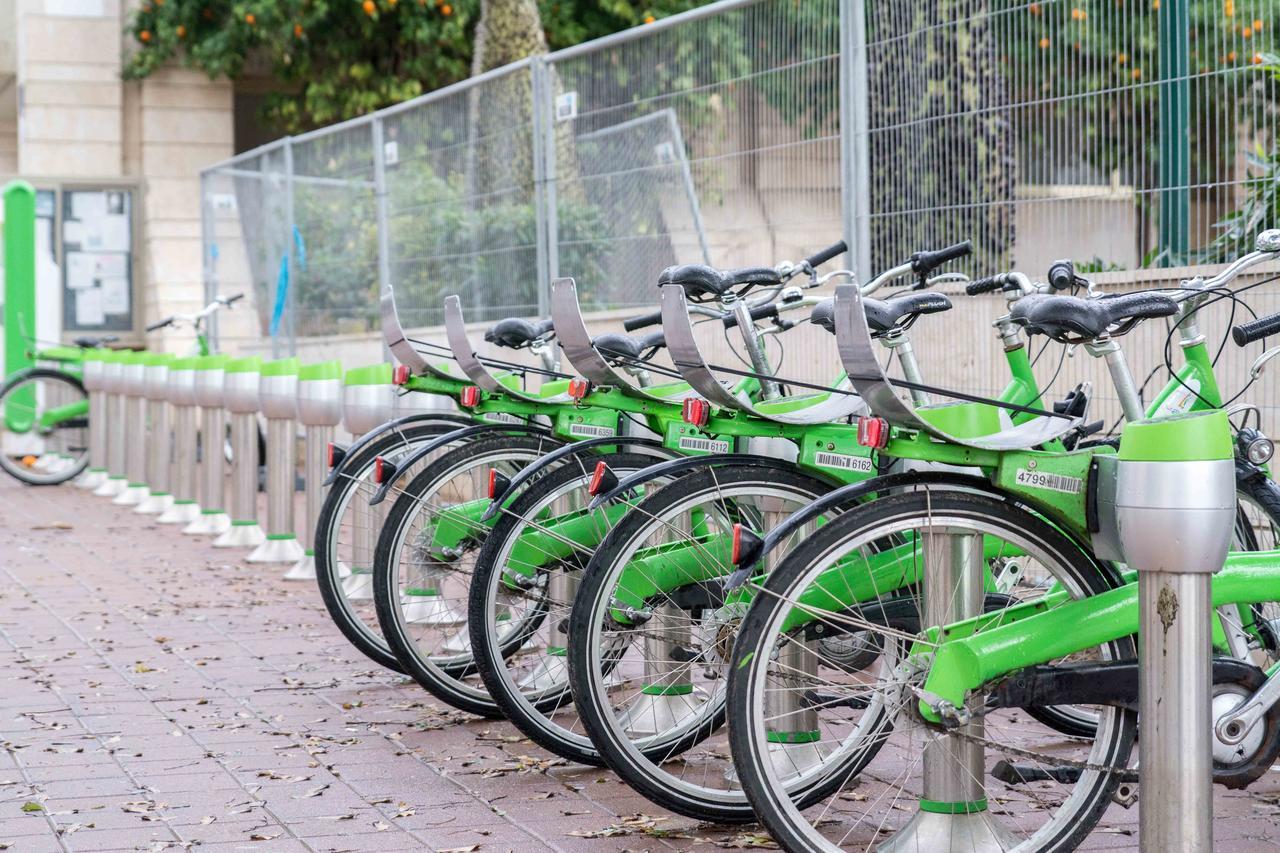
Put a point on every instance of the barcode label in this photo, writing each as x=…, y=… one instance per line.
x=591, y=430
x=704, y=445
x=503, y=418
x=843, y=461
x=1053, y=482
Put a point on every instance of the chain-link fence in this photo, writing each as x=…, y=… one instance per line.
x=1119, y=134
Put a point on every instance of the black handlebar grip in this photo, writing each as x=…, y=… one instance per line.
x=633, y=323
x=235, y=298
x=923, y=263
x=758, y=312
x=815, y=261
x=1062, y=275
x=1256, y=330
x=985, y=285
x=160, y=325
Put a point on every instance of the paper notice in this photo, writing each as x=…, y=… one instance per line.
x=109, y=266
x=89, y=307
x=80, y=270
x=115, y=295
x=73, y=232
x=114, y=233
x=88, y=206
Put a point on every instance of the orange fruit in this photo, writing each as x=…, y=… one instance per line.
x=297, y=30
x=446, y=10
x=144, y=36
x=649, y=19
x=369, y=7
x=182, y=31
x=1044, y=43
x=250, y=19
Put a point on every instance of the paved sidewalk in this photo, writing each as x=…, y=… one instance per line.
x=155, y=694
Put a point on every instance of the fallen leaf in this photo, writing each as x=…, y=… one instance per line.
x=207, y=819
x=263, y=836
x=32, y=807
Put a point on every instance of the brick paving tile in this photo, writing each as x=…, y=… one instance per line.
x=157, y=693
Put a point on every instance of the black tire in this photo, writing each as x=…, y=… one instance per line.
x=755, y=643
x=353, y=483
x=453, y=678
x=75, y=432
x=641, y=766
x=531, y=715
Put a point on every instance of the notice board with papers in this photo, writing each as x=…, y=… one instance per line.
x=97, y=260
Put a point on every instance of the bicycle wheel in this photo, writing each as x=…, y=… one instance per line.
x=424, y=559
x=650, y=632
x=837, y=757
x=526, y=572
x=346, y=532
x=44, y=426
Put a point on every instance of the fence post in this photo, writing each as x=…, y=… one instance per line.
x=544, y=193
x=1175, y=142
x=380, y=212
x=291, y=297
x=855, y=140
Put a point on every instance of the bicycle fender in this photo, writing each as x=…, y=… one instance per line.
x=391, y=425
x=556, y=455
x=449, y=438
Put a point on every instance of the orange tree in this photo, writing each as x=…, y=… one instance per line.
x=341, y=58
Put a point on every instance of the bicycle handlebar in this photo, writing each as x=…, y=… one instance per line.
x=987, y=284
x=758, y=312
x=1062, y=275
x=632, y=323
x=1255, y=330
x=923, y=263
x=835, y=249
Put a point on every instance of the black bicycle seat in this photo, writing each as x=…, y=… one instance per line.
x=702, y=283
x=515, y=333
x=91, y=342
x=899, y=312
x=1071, y=319
x=620, y=347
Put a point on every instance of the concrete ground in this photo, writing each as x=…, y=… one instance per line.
x=157, y=693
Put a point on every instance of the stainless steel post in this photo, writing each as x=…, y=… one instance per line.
x=181, y=393
x=135, y=428
x=279, y=398
x=213, y=518
x=319, y=411
x=240, y=397
x=159, y=446
x=368, y=399
x=953, y=813
x=667, y=698
x=112, y=384
x=96, y=473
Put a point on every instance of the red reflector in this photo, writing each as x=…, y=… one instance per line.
x=873, y=432
x=493, y=482
x=578, y=388
x=400, y=375
x=470, y=397
x=597, y=479
x=329, y=455
x=695, y=411
x=736, y=553
x=379, y=469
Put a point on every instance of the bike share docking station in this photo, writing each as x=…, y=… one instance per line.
x=368, y=399
x=240, y=386
x=278, y=398
x=209, y=376
x=319, y=404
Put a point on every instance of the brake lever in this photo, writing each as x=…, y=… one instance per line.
x=1255, y=369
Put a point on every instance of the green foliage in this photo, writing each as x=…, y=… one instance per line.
x=342, y=58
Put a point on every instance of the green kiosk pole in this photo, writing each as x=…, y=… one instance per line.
x=19, y=296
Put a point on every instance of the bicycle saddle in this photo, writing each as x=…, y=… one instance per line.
x=515, y=333
x=89, y=342
x=1071, y=319
x=702, y=283
x=885, y=315
x=615, y=345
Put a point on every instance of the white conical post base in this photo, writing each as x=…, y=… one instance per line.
x=91, y=479
x=131, y=496
x=552, y=671
x=241, y=536
x=652, y=714
x=180, y=513
x=457, y=643
x=359, y=586
x=950, y=833
x=111, y=487
x=789, y=759
x=431, y=610
x=154, y=505
x=209, y=524
x=303, y=570
x=277, y=551
x=45, y=462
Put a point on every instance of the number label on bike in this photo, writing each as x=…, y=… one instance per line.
x=703, y=445
x=1052, y=482
x=591, y=431
x=503, y=418
x=843, y=461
